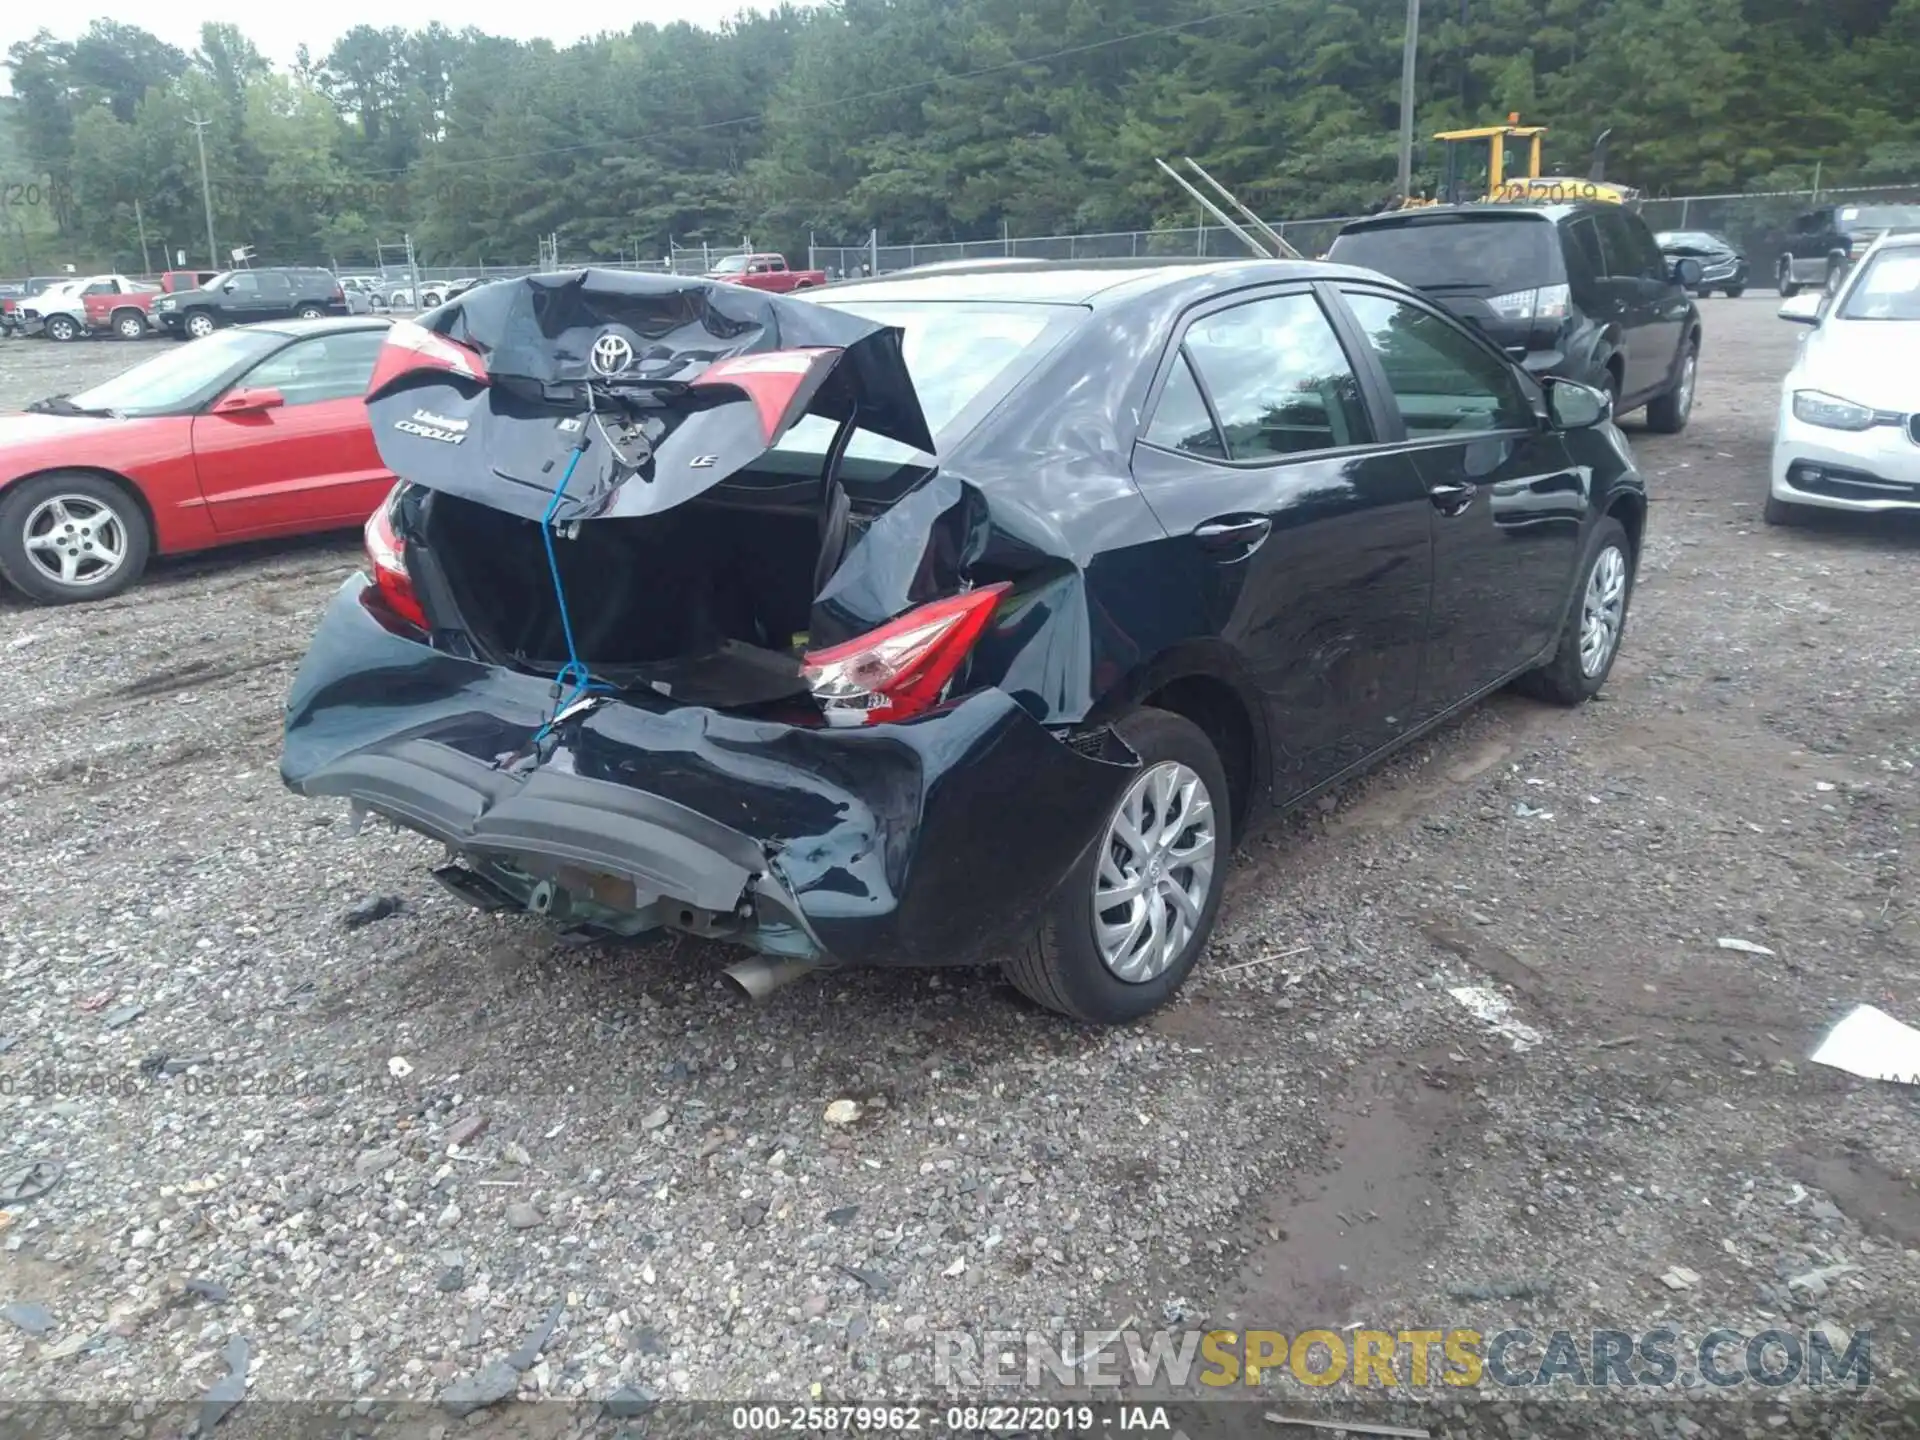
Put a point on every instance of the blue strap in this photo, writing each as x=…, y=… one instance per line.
x=574, y=672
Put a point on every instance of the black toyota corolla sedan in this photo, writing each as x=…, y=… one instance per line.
x=941, y=619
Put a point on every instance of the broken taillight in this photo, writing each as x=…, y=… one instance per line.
x=411, y=348
x=387, y=558
x=901, y=669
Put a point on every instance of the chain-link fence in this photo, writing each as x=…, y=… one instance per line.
x=1756, y=223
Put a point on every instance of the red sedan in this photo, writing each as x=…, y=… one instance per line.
x=246, y=434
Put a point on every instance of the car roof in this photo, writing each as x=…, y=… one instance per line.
x=329, y=325
x=1066, y=282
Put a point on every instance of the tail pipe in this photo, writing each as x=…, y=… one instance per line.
x=758, y=976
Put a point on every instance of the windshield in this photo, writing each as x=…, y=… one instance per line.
x=1689, y=239
x=1495, y=255
x=732, y=265
x=1882, y=217
x=1887, y=288
x=181, y=377
x=954, y=351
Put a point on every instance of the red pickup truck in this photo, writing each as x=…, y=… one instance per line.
x=765, y=272
x=129, y=313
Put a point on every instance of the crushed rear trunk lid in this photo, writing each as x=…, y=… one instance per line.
x=664, y=386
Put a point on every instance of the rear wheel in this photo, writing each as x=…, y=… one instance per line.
x=1784, y=281
x=71, y=536
x=1734, y=292
x=1667, y=414
x=1590, y=634
x=129, y=324
x=310, y=312
x=1783, y=512
x=61, y=327
x=1129, y=922
x=200, y=323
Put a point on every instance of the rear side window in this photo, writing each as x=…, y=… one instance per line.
x=1493, y=253
x=1279, y=381
x=1443, y=381
x=1584, y=257
x=1181, y=421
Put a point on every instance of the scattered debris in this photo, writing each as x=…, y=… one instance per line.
x=1744, y=947
x=228, y=1391
x=28, y=1315
x=956, y=1269
x=1618, y=1041
x=1524, y=811
x=1265, y=960
x=464, y=1131
x=399, y=1067
x=207, y=1290
x=654, y=1119
x=629, y=1402
x=1536, y=1289
x=1351, y=1427
x=523, y=1216
x=1680, y=1278
x=872, y=1279
x=66, y=1349
x=1493, y=1009
x=96, y=1001
x=489, y=1385
x=536, y=1341
x=30, y=1181
x=842, y=1112
x=376, y=1162
x=1869, y=1043
x=374, y=907
x=1819, y=1278
x=122, y=1015
x=515, y=1154
x=842, y=1215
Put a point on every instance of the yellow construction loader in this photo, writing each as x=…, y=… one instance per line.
x=1513, y=170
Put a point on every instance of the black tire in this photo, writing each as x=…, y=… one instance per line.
x=1667, y=413
x=198, y=323
x=1060, y=967
x=129, y=324
x=1564, y=680
x=21, y=505
x=1783, y=512
x=1734, y=292
x=311, y=312
x=62, y=328
x=1784, y=281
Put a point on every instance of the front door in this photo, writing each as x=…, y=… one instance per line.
x=1309, y=541
x=308, y=463
x=1507, y=501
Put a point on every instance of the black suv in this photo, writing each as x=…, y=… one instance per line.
x=1824, y=242
x=1579, y=291
x=237, y=297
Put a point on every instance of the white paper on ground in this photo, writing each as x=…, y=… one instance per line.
x=1873, y=1045
x=1492, y=1008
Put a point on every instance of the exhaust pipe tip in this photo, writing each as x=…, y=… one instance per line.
x=758, y=976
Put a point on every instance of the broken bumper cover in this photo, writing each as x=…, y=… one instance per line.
x=933, y=842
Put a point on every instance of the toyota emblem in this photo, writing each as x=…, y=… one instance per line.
x=611, y=354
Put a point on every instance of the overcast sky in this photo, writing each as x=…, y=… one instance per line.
x=277, y=28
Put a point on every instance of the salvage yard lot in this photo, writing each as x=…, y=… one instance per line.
x=247, y=1085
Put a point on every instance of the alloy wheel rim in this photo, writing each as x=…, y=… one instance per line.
x=75, y=540
x=199, y=325
x=1156, y=872
x=1602, y=610
x=1687, y=372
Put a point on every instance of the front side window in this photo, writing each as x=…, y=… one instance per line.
x=1887, y=289
x=1443, y=381
x=329, y=367
x=179, y=378
x=241, y=284
x=1280, y=383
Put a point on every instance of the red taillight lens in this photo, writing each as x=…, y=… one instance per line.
x=387, y=558
x=774, y=381
x=411, y=348
x=901, y=669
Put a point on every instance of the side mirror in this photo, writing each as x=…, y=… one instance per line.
x=1806, y=308
x=243, y=401
x=1687, y=271
x=1573, y=406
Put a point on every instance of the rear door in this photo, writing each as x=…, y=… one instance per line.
x=1507, y=502
x=1633, y=299
x=310, y=463
x=1308, y=537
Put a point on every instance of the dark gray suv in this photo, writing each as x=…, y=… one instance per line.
x=1580, y=291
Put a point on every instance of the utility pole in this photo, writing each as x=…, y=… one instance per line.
x=146, y=260
x=1406, y=97
x=206, y=189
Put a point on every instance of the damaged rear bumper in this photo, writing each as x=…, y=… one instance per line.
x=933, y=842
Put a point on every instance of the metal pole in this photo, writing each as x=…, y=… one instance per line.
x=146, y=260
x=1407, y=57
x=1816, y=182
x=206, y=189
x=873, y=251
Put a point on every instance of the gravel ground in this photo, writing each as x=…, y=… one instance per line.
x=385, y=1152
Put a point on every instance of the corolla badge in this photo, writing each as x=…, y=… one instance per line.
x=611, y=354
x=429, y=426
